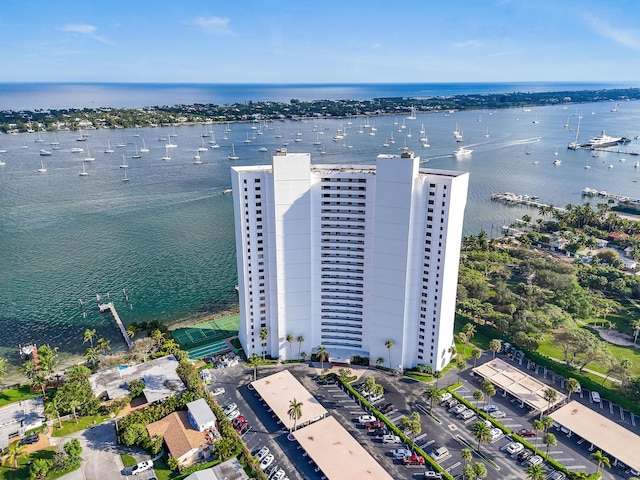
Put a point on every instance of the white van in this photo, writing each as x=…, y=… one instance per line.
x=595, y=397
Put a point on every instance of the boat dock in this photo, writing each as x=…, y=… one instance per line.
x=515, y=199
x=110, y=306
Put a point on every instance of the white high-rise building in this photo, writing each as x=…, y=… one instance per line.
x=348, y=257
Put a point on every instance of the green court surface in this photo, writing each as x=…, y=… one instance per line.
x=207, y=350
x=207, y=333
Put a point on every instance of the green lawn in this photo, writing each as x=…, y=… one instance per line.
x=128, y=460
x=70, y=426
x=22, y=473
x=16, y=394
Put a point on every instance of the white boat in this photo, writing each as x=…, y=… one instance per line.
x=42, y=168
x=82, y=137
x=55, y=140
x=263, y=149
x=170, y=143
x=422, y=130
x=83, y=173
x=125, y=178
x=124, y=163
x=167, y=155
x=536, y=120
x=202, y=148
x=557, y=162
x=232, y=155
x=136, y=155
x=45, y=153
x=317, y=142
x=462, y=152
x=108, y=149
x=89, y=158
x=409, y=135
x=412, y=116
x=637, y=164
x=247, y=140
x=2, y=162
x=457, y=134
x=39, y=139
x=144, y=148
x=486, y=135
x=197, y=159
x=213, y=143
x=535, y=162
x=77, y=150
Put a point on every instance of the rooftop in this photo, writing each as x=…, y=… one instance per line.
x=158, y=375
x=201, y=412
x=279, y=389
x=178, y=433
x=597, y=429
x=20, y=416
x=517, y=383
x=229, y=470
x=337, y=453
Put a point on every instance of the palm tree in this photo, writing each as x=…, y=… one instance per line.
x=323, y=355
x=254, y=361
x=437, y=374
x=89, y=335
x=73, y=405
x=389, y=345
x=51, y=408
x=461, y=365
x=466, y=455
x=103, y=345
x=264, y=333
x=92, y=355
x=535, y=472
x=476, y=353
x=572, y=385
x=469, y=330
x=39, y=381
x=432, y=394
x=538, y=426
x=379, y=362
x=478, y=395
x=489, y=390
x=549, y=440
x=13, y=453
x=550, y=395
x=4, y=367
x=463, y=338
x=495, y=346
x=480, y=470
x=289, y=339
x=300, y=339
x=131, y=331
x=602, y=460
x=468, y=473
x=294, y=412
x=480, y=430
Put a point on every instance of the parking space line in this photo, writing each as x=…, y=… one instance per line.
x=575, y=467
x=633, y=419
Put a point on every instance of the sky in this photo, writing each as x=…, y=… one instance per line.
x=325, y=41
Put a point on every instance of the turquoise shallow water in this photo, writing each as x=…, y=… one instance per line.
x=166, y=236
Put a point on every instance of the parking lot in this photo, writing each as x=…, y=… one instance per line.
x=442, y=429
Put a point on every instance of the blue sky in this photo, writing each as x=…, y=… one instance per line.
x=326, y=41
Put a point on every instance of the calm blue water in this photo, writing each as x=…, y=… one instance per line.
x=32, y=96
x=166, y=236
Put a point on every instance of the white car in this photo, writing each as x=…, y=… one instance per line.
x=217, y=391
x=230, y=408
x=233, y=415
x=141, y=467
x=263, y=452
x=458, y=409
x=595, y=397
x=279, y=475
x=446, y=396
x=514, y=448
x=440, y=453
x=390, y=439
x=432, y=474
x=497, y=414
x=535, y=460
x=466, y=414
x=495, y=433
x=366, y=418
x=400, y=453
x=266, y=461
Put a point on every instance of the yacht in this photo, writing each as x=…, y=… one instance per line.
x=108, y=149
x=83, y=173
x=42, y=168
x=124, y=163
x=45, y=153
x=604, y=140
x=77, y=150
x=232, y=155
x=144, y=148
x=462, y=152
x=88, y=158
x=557, y=162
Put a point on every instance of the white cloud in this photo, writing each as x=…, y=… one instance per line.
x=506, y=53
x=467, y=44
x=624, y=36
x=376, y=46
x=79, y=28
x=214, y=25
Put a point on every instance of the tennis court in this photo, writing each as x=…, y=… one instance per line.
x=207, y=333
x=208, y=350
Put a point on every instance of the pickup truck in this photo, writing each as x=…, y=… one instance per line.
x=374, y=425
x=413, y=460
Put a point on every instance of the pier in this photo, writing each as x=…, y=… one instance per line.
x=110, y=306
x=515, y=199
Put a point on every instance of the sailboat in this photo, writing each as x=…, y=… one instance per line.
x=136, y=155
x=89, y=158
x=197, y=158
x=2, y=162
x=247, y=140
x=213, y=143
x=144, y=148
x=232, y=155
x=170, y=143
x=83, y=173
x=124, y=163
x=125, y=178
x=202, y=148
x=167, y=156
x=486, y=135
x=412, y=116
x=42, y=168
x=55, y=140
x=108, y=149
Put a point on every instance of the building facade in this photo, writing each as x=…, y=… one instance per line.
x=359, y=259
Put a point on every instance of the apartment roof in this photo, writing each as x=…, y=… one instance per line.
x=337, y=453
x=279, y=389
x=178, y=433
x=522, y=386
x=201, y=412
x=597, y=429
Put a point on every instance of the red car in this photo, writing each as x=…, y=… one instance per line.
x=373, y=425
x=414, y=460
x=242, y=428
x=525, y=432
x=236, y=422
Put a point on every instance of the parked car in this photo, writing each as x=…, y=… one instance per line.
x=388, y=408
x=535, y=460
x=432, y=474
x=413, y=460
x=526, y=432
x=263, y=452
x=374, y=425
x=490, y=408
x=380, y=432
x=233, y=415
x=266, y=461
x=390, y=439
x=451, y=403
x=497, y=414
x=29, y=439
x=458, y=409
x=556, y=475
x=446, y=396
x=218, y=391
x=514, y=448
x=141, y=467
x=524, y=455
x=279, y=475
x=366, y=418
x=595, y=397
x=439, y=453
x=400, y=453
x=242, y=428
x=494, y=434
x=230, y=408
x=375, y=398
x=466, y=414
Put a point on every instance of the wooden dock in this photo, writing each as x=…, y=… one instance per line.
x=515, y=199
x=110, y=306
